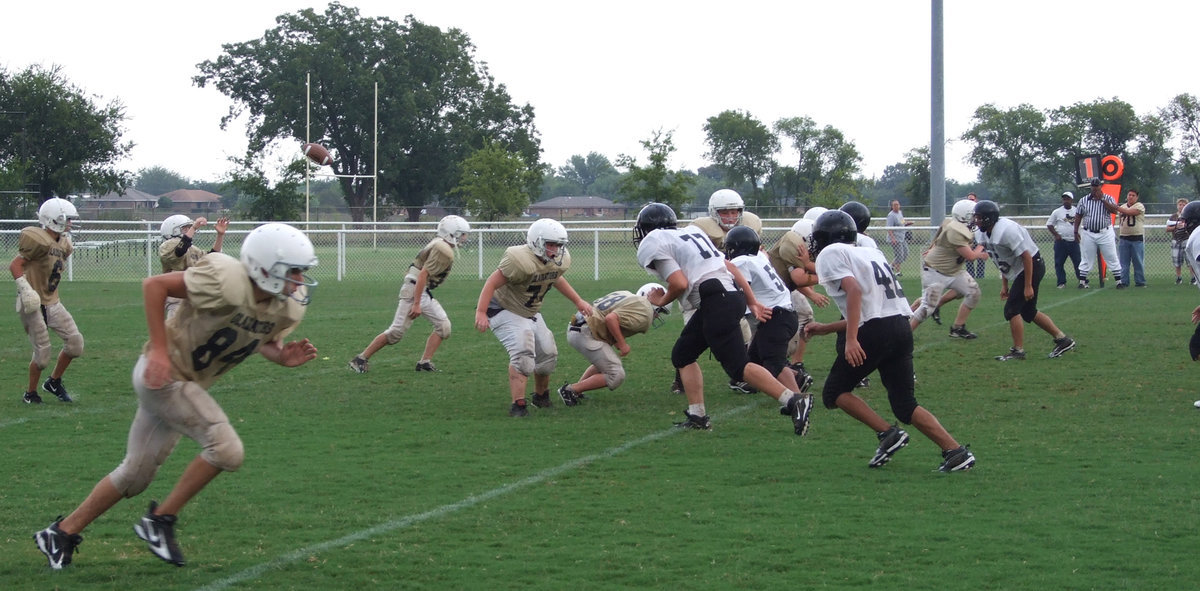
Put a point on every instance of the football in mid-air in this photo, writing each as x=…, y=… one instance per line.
x=317, y=153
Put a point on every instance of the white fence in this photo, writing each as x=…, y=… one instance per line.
x=600, y=249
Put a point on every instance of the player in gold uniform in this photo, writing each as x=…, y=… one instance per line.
x=37, y=269
x=942, y=269
x=614, y=318
x=511, y=302
x=426, y=272
x=177, y=253
x=231, y=310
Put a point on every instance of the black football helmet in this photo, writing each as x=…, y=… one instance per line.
x=654, y=216
x=832, y=227
x=740, y=241
x=1190, y=216
x=987, y=213
x=859, y=213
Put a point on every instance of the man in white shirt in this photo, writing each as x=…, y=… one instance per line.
x=1062, y=226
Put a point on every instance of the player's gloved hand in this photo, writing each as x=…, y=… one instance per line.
x=28, y=299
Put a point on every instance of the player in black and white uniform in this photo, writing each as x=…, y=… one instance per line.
x=697, y=272
x=769, y=345
x=1189, y=220
x=1017, y=257
x=873, y=334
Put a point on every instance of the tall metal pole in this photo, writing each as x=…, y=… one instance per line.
x=937, y=119
x=307, y=139
x=375, y=173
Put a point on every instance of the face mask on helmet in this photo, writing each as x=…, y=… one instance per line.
x=174, y=226
x=58, y=215
x=987, y=213
x=655, y=216
x=546, y=235
x=277, y=257
x=725, y=207
x=453, y=230
x=659, y=311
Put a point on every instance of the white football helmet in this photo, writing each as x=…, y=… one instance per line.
x=453, y=229
x=814, y=212
x=173, y=226
x=659, y=311
x=543, y=231
x=57, y=214
x=804, y=228
x=964, y=211
x=272, y=252
x=725, y=199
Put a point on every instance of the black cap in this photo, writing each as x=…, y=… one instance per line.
x=1096, y=182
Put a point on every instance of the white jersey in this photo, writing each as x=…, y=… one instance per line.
x=867, y=241
x=768, y=288
x=1007, y=242
x=666, y=250
x=1192, y=252
x=882, y=295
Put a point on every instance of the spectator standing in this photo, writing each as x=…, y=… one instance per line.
x=1179, y=237
x=1131, y=245
x=897, y=238
x=1062, y=226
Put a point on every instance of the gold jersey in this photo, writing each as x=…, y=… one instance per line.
x=788, y=253
x=436, y=258
x=45, y=261
x=220, y=324
x=717, y=234
x=943, y=254
x=170, y=262
x=529, y=278
x=634, y=314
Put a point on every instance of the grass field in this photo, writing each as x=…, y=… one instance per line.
x=1086, y=476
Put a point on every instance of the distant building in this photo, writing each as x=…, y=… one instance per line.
x=194, y=201
x=131, y=199
x=576, y=207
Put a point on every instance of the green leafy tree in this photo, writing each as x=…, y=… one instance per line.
x=494, y=183
x=654, y=182
x=260, y=199
x=827, y=165
x=742, y=146
x=1182, y=113
x=1005, y=145
x=157, y=180
x=56, y=138
x=918, y=185
x=588, y=171
x=1113, y=127
x=437, y=104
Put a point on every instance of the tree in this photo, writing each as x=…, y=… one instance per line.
x=437, y=105
x=157, y=180
x=1005, y=145
x=654, y=183
x=494, y=182
x=263, y=201
x=1183, y=115
x=742, y=146
x=827, y=164
x=56, y=138
x=917, y=187
x=588, y=171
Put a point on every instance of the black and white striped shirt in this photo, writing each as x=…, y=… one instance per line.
x=1095, y=216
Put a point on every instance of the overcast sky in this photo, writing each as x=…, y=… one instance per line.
x=603, y=76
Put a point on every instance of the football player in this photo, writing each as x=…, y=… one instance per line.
x=511, y=302
x=1016, y=255
x=426, y=272
x=696, y=271
x=943, y=268
x=1189, y=220
x=231, y=310
x=789, y=259
x=176, y=253
x=873, y=334
x=38, y=268
x=614, y=318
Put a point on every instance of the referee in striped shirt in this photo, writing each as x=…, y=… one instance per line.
x=1093, y=231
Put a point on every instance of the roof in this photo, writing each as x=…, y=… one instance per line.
x=575, y=202
x=130, y=195
x=192, y=196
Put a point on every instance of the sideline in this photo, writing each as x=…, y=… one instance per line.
x=302, y=554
